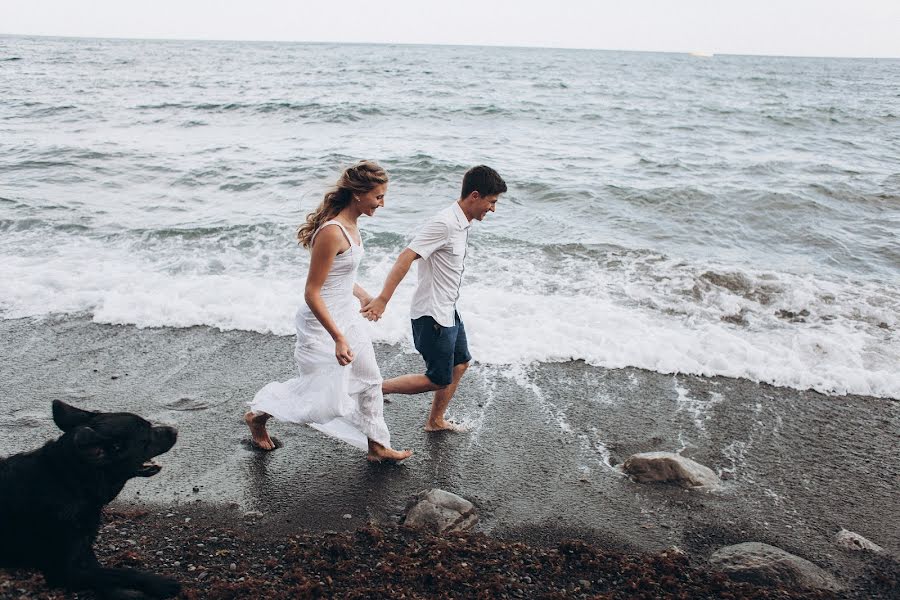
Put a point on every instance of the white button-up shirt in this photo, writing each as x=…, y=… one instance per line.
x=442, y=245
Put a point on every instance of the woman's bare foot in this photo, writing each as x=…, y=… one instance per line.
x=257, y=425
x=378, y=453
x=445, y=425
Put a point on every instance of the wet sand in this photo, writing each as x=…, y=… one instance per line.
x=540, y=461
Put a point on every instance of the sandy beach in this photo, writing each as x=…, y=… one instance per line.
x=540, y=461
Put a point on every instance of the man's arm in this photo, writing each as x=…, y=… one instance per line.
x=374, y=309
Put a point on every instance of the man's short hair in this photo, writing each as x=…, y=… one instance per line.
x=484, y=180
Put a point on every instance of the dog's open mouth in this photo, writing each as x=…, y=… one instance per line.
x=148, y=469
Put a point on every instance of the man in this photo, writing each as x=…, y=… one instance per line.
x=438, y=332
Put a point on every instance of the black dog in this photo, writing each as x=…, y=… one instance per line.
x=51, y=500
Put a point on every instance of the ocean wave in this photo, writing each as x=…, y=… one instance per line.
x=240, y=186
x=139, y=238
x=36, y=164
x=607, y=305
x=58, y=156
x=335, y=112
x=424, y=169
x=550, y=85
x=36, y=224
x=45, y=112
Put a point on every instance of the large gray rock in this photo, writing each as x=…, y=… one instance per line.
x=440, y=511
x=854, y=541
x=668, y=467
x=763, y=564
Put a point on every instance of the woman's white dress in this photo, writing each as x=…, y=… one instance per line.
x=342, y=401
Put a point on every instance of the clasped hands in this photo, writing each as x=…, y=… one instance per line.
x=374, y=308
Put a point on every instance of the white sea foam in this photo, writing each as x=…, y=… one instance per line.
x=789, y=330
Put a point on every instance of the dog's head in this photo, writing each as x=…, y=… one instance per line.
x=119, y=443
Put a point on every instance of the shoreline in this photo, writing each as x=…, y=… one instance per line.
x=540, y=461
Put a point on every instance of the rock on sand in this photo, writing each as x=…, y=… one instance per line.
x=440, y=511
x=759, y=563
x=668, y=467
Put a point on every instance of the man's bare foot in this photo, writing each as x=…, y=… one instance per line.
x=445, y=425
x=378, y=453
x=257, y=425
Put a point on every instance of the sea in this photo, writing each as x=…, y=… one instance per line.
x=731, y=216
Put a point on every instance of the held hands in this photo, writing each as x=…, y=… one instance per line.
x=342, y=352
x=374, y=309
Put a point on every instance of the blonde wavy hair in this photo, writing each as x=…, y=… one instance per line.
x=362, y=177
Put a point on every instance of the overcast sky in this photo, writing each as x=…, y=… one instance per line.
x=780, y=27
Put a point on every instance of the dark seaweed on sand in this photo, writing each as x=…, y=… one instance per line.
x=217, y=562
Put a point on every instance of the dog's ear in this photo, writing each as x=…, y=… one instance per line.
x=68, y=417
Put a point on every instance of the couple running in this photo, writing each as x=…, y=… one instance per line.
x=339, y=389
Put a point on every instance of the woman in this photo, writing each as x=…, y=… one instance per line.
x=338, y=390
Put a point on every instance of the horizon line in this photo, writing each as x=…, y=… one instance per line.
x=701, y=51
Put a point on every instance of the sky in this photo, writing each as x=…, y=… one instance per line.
x=860, y=28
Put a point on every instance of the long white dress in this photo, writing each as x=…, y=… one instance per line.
x=342, y=401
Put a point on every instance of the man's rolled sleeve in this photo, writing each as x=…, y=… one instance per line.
x=431, y=237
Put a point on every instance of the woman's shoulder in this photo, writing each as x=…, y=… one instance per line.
x=329, y=233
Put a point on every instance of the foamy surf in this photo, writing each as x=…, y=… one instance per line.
x=662, y=315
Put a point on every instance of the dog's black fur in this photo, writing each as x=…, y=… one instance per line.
x=51, y=500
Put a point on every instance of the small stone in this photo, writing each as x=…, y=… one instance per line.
x=854, y=541
x=196, y=489
x=232, y=567
x=584, y=583
x=440, y=511
x=668, y=467
x=347, y=516
x=764, y=564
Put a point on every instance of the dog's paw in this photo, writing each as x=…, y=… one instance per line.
x=161, y=587
x=144, y=586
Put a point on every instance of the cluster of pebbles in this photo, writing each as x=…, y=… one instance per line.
x=226, y=561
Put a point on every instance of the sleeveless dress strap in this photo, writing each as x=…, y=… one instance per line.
x=332, y=222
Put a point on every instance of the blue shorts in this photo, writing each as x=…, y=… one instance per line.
x=442, y=347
